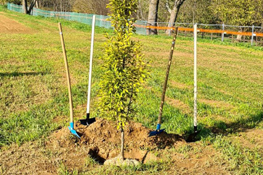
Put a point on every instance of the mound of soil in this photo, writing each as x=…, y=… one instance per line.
x=104, y=132
x=102, y=140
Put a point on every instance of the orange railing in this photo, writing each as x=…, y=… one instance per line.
x=202, y=30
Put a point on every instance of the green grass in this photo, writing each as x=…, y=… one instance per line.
x=33, y=92
x=246, y=161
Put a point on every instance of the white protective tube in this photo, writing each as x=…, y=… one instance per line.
x=90, y=62
x=195, y=78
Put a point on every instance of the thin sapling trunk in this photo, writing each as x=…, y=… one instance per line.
x=122, y=144
x=124, y=70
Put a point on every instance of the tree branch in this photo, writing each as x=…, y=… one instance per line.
x=31, y=6
x=168, y=7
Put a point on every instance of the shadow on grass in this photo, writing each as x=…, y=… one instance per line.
x=223, y=128
x=16, y=74
x=242, y=125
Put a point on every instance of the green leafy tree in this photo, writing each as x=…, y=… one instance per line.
x=19, y=2
x=124, y=69
x=235, y=12
x=196, y=11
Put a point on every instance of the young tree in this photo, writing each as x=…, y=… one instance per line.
x=124, y=69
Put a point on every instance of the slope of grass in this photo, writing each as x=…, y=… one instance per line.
x=33, y=92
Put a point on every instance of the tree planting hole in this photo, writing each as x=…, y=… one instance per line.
x=94, y=154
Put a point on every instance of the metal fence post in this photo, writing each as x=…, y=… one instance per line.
x=169, y=25
x=252, y=37
x=223, y=33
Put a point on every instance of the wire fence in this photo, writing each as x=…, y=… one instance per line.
x=223, y=32
x=101, y=20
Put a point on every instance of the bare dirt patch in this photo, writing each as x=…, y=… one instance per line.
x=27, y=159
x=199, y=160
x=104, y=136
x=217, y=104
x=101, y=141
x=8, y=25
x=179, y=104
x=180, y=85
x=251, y=138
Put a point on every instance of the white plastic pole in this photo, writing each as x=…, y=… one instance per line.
x=252, y=37
x=90, y=61
x=195, y=78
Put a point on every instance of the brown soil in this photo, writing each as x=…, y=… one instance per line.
x=8, y=25
x=101, y=141
x=104, y=139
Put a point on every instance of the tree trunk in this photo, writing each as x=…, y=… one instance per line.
x=261, y=30
x=25, y=6
x=140, y=13
x=26, y=9
x=37, y=4
x=174, y=13
x=122, y=144
x=33, y=3
x=153, y=16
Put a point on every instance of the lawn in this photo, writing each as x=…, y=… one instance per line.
x=34, y=101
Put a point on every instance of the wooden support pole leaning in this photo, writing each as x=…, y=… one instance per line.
x=67, y=72
x=71, y=127
x=195, y=78
x=166, y=77
x=158, y=128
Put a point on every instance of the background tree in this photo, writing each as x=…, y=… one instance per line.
x=91, y=6
x=124, y=69
x=196, y=11
x=174, y=13
x=143, y=9
x=235, y=12
x=153, y=16
x=258, y=18
x=27, y=10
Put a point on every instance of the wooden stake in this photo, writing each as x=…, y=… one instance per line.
x=167, y=75
x=67, y=72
